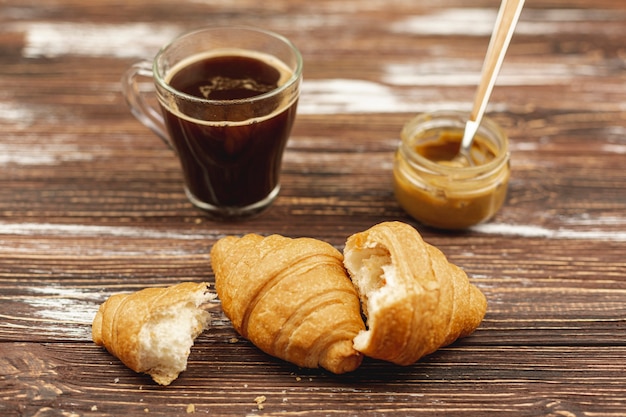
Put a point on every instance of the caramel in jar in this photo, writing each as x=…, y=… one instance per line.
x=441, y=191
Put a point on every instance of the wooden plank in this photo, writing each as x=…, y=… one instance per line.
x=523, y=381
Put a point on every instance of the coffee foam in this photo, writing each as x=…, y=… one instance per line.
x=285, y=72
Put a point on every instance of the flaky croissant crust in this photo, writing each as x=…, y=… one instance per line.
x=119, y=321
x=290, y=297
x=414, y=299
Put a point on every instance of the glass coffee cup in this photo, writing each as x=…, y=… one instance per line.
x=227, y=100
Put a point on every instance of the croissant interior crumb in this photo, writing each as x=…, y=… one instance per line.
x=374, y=275
x=166, y=340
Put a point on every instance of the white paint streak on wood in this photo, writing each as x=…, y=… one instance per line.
x=523, y=146
x=143, y=39
x=351, y=96
x=79, y=230
x=337, y=96
x=466, y=21
x=56, y=310
x=457, y=72
x=47, y=229
x=65, y=305
x=480, y=21
x=67, y=240
x=587, y=220
x=614, y=148
x=22, y=153
x=533, y=231
x=137, y=40
x=21, y=116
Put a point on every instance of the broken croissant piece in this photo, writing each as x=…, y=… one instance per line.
x=415, y=301
x=152, y=330
x=292, y=298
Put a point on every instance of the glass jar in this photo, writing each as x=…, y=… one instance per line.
x=436, y=189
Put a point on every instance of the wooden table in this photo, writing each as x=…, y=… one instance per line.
x=91, y=203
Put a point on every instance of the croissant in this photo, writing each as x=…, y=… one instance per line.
x=152, y=330
x=292, y=298
x=414, y=300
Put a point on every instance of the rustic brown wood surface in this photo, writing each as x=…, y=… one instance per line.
x=91, y=203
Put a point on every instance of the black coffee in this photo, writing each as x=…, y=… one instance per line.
x=229, y=160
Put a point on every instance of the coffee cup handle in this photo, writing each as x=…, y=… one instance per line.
x=137, y=99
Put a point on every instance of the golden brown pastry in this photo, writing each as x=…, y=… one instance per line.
x=292, y=298
x=152, y=330
x=415, y=300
